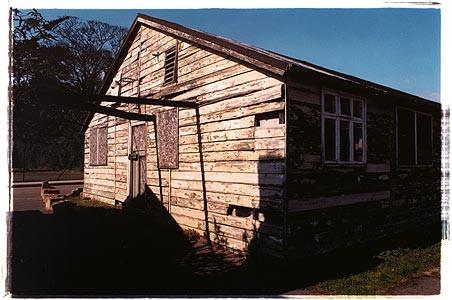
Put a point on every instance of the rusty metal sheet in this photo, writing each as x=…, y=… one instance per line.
x=102, y=147
x=168, y=139
x=93, y=146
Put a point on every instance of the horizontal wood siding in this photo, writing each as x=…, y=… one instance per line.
x=336, y=205
x=243, y=164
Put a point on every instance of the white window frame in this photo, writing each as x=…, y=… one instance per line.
x=416, y=112
x=337, y=116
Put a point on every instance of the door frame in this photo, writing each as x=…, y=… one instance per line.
x=130, y=177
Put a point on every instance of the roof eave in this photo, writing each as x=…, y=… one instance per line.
x=299, y=73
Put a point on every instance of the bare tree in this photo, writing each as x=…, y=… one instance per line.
x=66, y=55
x=92, y=45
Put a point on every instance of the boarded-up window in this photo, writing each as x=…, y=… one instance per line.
x=98, y=149
x=168, y=139
x=171, y=65
x=93, y=146
x=102, y=150
x=139, y=138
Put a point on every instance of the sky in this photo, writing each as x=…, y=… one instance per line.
x=396, y=47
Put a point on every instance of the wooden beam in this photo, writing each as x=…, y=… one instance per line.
x=109, y=111
x=122, y=114
x=299, y=205
x=141, y=100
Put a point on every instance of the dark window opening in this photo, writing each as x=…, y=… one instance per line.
x=414, y=136
x=357, y=109
x=330, y=139
x=358, y=141
x=406, y=137
x=330, y=103
x=170, y=66
x=239, y=211
x=344, y=137
x=270, y=119
x=424, y=139
x=345, y=106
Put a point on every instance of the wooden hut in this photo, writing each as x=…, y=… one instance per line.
x=258, y=149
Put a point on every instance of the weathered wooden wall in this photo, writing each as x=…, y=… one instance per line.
x=334, y=206
x=235, y=163
x=243, y=164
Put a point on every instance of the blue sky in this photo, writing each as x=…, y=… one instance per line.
x=399, y=48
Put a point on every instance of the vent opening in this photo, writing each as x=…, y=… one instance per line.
x=170, y=65
x=239, y=211
x=270, y=119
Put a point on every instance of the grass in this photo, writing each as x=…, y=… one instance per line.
x=89, y=203
x=395, y=267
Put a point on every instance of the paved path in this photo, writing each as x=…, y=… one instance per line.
x=29, y=198
x=19, y=176
x=54, y=182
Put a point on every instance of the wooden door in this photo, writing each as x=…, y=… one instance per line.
x=137, y=159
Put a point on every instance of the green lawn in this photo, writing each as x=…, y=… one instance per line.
x=89, y=203
x=396, y=266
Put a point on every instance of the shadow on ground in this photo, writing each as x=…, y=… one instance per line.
x=108, y=251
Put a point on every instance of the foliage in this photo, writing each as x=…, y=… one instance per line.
x=192, y=235
x=52, y=58
x=395, y=266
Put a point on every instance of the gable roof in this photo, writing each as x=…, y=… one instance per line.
x=261, y=59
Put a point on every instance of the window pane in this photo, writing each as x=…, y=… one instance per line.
x=344, y=139
x=358, y=141
x=424, y=139
x=345, y=106
x=330, y=139
x=357, y=109
x=405, y=135
x=329, y=103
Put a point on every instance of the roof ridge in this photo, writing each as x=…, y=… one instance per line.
x=260, y=58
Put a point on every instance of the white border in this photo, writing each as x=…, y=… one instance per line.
x=194, y=4
x=446, y=92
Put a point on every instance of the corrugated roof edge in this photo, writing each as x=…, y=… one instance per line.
x=273, y=62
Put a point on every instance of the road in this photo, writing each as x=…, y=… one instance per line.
x=29, y=198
